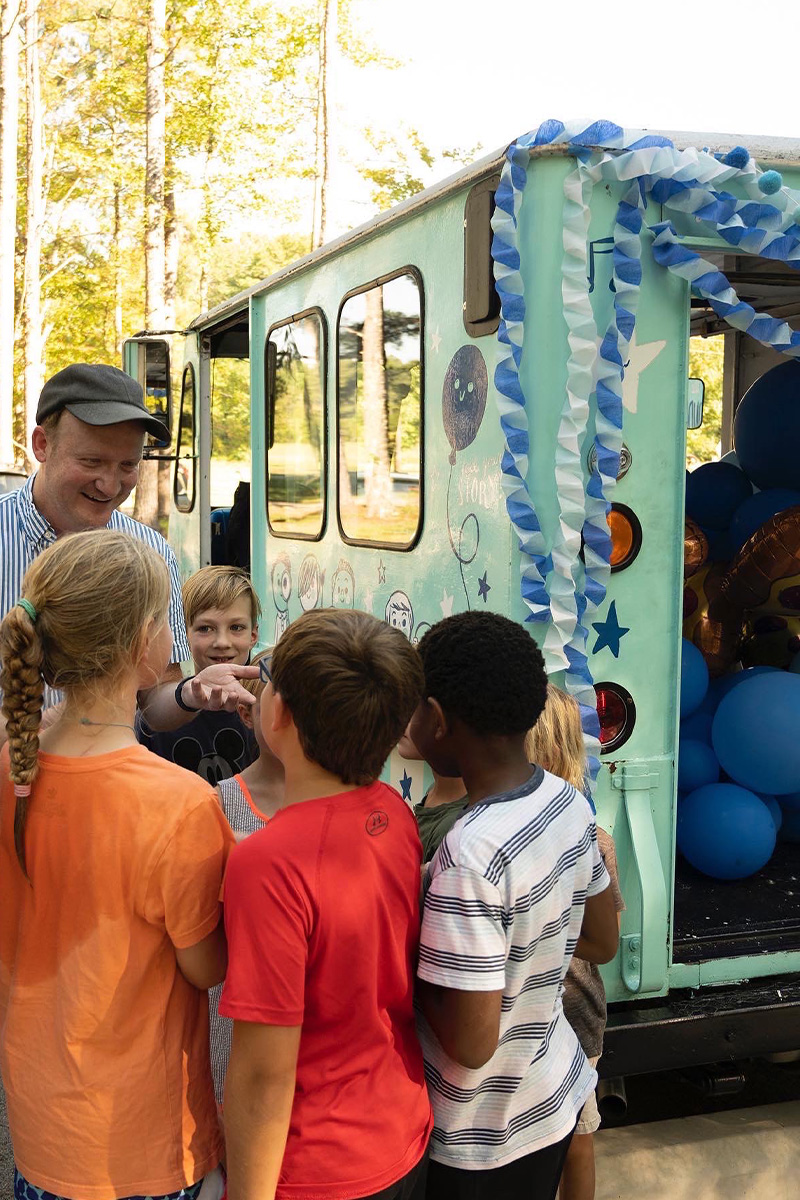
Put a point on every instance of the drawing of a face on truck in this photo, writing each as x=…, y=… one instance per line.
x=399, y=613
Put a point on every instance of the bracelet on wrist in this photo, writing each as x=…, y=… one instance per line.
x=179, y=700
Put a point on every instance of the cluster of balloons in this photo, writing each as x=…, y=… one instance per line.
x=739, y=752
x=742, y=542
x=738, y=766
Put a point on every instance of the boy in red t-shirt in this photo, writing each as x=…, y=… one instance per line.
x=325, y=1093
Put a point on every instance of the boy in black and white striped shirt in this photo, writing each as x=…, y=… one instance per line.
x=515, y=888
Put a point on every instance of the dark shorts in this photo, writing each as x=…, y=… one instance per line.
x=410, y=1187
x=534, y=1177
x=27, y=1191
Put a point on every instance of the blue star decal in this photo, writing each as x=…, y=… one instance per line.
x=610, y=632
x=405, y=785
x=483, y=587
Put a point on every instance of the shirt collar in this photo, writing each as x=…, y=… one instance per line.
x=37, y=529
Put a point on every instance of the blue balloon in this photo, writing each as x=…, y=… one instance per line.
x=790, y=801
x=694, y=678
x=697, y=727
x=790, y=829
x=755, y=732
x=725, y=831
x=766, y=428
x=697, y=765
x=756, y=509
x=775, y=809
x=720, y=687
x=720, y=546
x=713, y=493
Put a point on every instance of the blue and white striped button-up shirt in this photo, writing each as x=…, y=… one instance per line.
x=25, y=533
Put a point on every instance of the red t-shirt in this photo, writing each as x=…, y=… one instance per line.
x=322, y=917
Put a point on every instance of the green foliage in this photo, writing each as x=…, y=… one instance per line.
x=404, y=165
x=706, y=357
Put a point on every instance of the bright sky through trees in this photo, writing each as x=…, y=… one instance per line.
x=476, y=71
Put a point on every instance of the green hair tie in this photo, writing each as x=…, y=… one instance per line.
x=29, y=609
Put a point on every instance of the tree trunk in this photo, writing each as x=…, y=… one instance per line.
x=34, y=141
x=327, y=150
x=377, y=483
x=116, y=267
x=155, y=104
x=146, y=503
x=9, y=119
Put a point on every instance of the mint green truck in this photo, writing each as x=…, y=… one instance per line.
x=480, y=399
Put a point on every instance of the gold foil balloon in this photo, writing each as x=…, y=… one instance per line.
x=710, y=621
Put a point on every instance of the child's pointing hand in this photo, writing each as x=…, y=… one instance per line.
x=217, y=688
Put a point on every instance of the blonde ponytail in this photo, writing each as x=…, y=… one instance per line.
x=23, y=688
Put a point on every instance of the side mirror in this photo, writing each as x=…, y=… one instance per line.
x=695, y=394
x=148, y=361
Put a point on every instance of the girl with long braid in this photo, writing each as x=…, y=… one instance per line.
x=111, y=862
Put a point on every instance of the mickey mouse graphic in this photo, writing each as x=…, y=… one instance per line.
x=228, y=756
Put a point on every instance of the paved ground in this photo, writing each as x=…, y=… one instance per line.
x=739, y=1154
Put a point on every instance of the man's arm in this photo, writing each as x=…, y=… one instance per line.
x=467, y=1024
x=214, y=689
x=600, y=929
x=259, y=1091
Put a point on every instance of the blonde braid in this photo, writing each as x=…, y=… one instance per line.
x=22, y=656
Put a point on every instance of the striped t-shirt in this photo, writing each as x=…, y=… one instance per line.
x=25, y=534
x=503, y=911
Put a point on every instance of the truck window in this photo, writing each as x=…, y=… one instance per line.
x=185, y=480
x=379, y=382
x=295, y=370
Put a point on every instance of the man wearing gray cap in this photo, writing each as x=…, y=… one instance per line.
x=91, y=423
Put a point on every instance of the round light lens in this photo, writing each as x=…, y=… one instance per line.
x=616, y=713
x=626, y=536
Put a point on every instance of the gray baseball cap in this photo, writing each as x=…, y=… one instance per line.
x=99, y=395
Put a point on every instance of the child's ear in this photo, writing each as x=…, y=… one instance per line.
x=281, y=713
x=441, y=727
x=245, y=714
x=143, y=641
x=254, y=636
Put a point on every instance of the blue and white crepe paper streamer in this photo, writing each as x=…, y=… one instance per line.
x=556, y=587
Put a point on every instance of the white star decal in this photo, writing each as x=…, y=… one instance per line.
x=436, y=340
x=640, y=358
x=446, y=604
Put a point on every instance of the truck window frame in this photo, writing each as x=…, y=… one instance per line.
x=402, y=547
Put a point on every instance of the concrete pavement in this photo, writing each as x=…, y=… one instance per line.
x=744, y=1154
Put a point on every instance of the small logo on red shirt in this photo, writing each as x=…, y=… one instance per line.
x=377, y=822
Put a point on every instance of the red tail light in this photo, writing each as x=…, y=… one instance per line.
x=616, y=713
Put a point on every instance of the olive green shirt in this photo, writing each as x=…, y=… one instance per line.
x=434, y=823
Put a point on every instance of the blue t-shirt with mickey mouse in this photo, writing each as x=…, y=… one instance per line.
x=214, y=745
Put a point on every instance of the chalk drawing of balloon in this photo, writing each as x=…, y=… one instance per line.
x=464, y=397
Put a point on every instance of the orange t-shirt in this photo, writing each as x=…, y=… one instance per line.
x=103, y=1043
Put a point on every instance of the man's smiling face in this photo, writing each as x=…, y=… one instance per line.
x=86, y=471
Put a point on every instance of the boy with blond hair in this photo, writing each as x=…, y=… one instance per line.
x=325, y=1092
x=221, y=610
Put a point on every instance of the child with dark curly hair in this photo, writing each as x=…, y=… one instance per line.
x=516, y=887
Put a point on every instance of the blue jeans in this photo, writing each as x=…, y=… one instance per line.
x=27, y=1191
